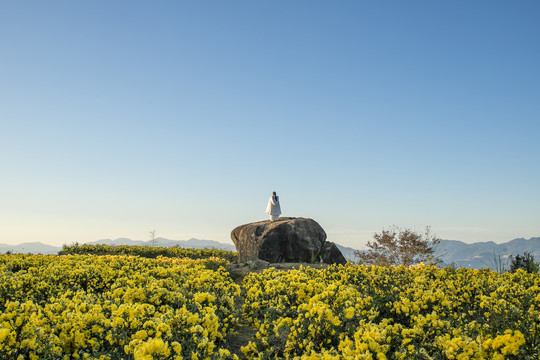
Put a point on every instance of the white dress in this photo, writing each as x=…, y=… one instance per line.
x=273, y=209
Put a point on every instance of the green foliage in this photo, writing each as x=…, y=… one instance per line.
x=524, y=262
x=148, y=251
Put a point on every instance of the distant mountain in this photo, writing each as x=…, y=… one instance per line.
x=477, y=255
x=347, y=252
x=116, y=242
x=40, y=248
x=29, y=248
x=486, y=254
x=191, y=243
x=483, y=254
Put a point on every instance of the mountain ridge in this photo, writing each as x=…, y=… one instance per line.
x=484, y=254
x=453, y=252
x=46, y=249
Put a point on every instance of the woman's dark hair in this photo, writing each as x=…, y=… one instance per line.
x=274, y=193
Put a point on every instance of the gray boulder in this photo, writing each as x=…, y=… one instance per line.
x=331, y=254
x=285, y=240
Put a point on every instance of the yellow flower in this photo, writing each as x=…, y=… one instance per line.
x=4, y=333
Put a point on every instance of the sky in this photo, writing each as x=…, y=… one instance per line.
x=122, y=117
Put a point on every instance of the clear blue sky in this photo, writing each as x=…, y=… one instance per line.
x=120, y=117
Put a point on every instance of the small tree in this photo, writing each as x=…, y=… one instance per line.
x=397, y=246
x=153, y=237
x=498, y=263
x=525, y=262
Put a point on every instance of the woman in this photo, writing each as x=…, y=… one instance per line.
x=273, y=209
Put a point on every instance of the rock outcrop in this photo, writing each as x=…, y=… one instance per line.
x=285, y=240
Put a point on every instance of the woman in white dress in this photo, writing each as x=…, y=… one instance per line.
x=273, y=209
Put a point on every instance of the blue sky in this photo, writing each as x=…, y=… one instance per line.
x=117, y=118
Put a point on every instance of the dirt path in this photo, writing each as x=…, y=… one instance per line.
x=244, y=332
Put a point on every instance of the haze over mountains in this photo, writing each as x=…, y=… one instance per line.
x=481, y=254
x=476, y=255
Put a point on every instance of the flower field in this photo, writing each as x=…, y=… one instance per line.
x=420, y=312
x=113, y=307
x=130, y=307
x=147, y=251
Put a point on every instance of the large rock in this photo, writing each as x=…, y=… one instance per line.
x=285, y=240
x=330, y=254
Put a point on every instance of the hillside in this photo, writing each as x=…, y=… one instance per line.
x=29, y=247
x=191, y=243
x=480, y=255
x=453, y=252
